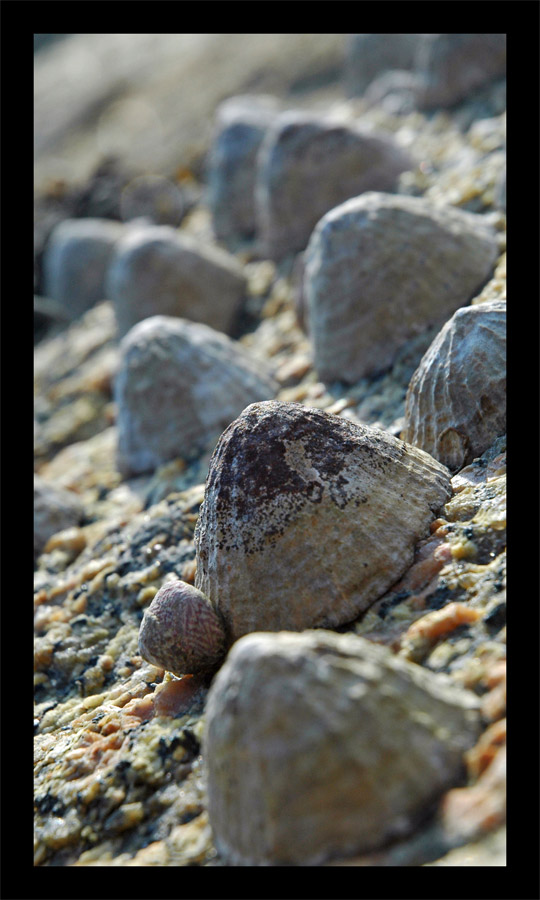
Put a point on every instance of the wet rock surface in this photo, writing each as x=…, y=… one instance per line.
x=119, y=742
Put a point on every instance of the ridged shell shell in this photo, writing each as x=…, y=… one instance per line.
x=308, y=518
x=456, y=401
x=379, y=269
x=157, y=270
x=179, y=384
x=320, y=745
x=309, y=164
x=180, y=631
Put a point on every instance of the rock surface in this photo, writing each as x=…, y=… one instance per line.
x=307, y=165
x=178, y=385
x=454, y=65
x=307, y=518
x=369, y=55
x=380, y=268
x=157, y=270
x=304, y=747
x=76, y=261
x=54, y=510
x=456, y=402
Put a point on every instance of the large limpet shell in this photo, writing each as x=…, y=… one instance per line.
x=308, y=518
x=456, y=401
x=320, y=745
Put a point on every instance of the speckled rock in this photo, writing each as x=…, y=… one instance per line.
x=320, y=745
x=369, y=55
x=179, y=384
x=308, y=518
x=381, y=268
x=157, y=270
x=76, y=260
x=307, y=165
x=456, y=402
x=54, y=510
x=181, y=631
x=454, y=65
x=241, y=124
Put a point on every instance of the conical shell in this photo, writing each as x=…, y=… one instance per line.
x=456, y=401
x=309, y=518
x=179, y=384
x=319, y=745
x=381, y=268
x=181, y=631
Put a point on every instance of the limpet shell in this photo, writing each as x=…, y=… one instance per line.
x=319, y=745
x=456, y=401
x=308, y=518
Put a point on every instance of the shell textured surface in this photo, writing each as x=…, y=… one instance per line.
x=456, y=401
x=308, y=518
x=321, y=745
x=178, y=385
x=381, y=268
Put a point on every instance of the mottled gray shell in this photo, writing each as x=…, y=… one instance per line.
x=157, y=270
x=456, y=401
x=320, y=745
x=381, y=268
x=180, y=631
x=307, y=165
x=307, y=518
x=179, y=384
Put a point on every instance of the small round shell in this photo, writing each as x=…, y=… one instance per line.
x=181, y=632
x=456, y=402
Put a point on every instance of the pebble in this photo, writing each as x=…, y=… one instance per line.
x=370, y=55
x=241, y=124
x=179, y=384
x=456, y=401
x=308, y=518
x=76, y=260
x=55, y=509
x=307, y=165
x=381, y=268
x=157, y=270
x=454, y=65
x=319, y=745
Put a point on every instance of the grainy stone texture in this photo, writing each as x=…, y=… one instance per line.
x=380, y=268
x=178, y=385
x=454, y=65
x=321, y=745
x=308, y=518
x=54, y=510
x=241, y=124
x=456, y=402
x=180, y=631
x=307, y=165
x=157, y=270
x=76, y=260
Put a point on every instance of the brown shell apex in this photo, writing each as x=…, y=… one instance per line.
x=309, y=518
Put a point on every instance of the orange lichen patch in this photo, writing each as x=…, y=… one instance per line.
x=494, y=703
x=174, y=698
x=424, y=633
x=94, y=750
x=479, y=757
x=138, y=710
x=472, y=811
x=439, y=526
x=70, y=539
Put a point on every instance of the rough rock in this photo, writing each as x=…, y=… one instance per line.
x=54, y=510
x=308, y=518
x=320, y=745
x=454, y=65
x=381, y=268
x=159, y=271
x=456, y=402
x=179, y=384
x=307, y=165
x=241, y=124
x=76, y=260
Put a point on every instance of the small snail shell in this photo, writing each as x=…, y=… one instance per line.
x=181, y=631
